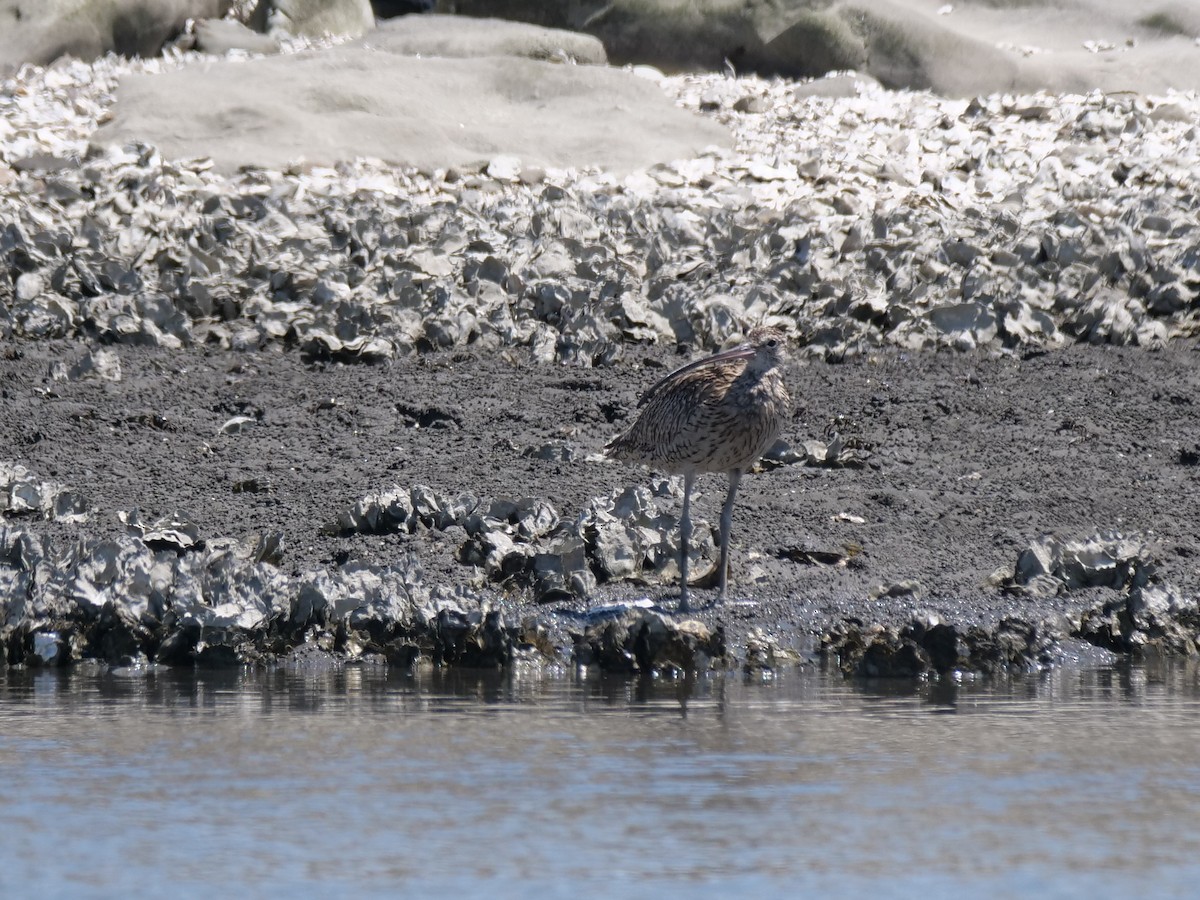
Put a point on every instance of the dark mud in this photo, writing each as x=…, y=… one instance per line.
x=969, y=460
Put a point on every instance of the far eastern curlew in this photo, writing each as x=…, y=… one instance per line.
x=718, y=414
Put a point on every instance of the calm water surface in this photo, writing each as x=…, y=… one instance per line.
x=373, y=783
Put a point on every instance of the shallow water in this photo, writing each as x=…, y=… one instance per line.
x=372, y=783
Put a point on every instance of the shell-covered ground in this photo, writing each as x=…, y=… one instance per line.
x=991, y=305
x=969, y=460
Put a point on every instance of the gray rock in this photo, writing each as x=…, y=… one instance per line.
x=499, y=554
x=173, y=532
x=219, y=36
x=928, y=646
x=916, y=51
x=130, y=599
x=22, y=494
x=46, y=649
x=480, y=638
x=960, y=252
x=968, y=324
x=388, y=511
x=40, y=31
x=977, y=48
x=1148, y=621
x=752, y=105
x=815, y=42
x=1101, y=560
x=833, y=87
x=630, y=536
x=102, y=365
x=765, y=653
x=534, y=518
x=29, y=285
x=313, y=18
x=562, y=570
x=122, y=602
x=459, y=36
x=427, y=505
x=637, y=639
x=342, y=103
x=552, y=451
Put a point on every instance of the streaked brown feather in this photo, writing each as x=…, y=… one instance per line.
x=718, y=414
x=712, y=415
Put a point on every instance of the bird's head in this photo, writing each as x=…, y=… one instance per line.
x=765, y=348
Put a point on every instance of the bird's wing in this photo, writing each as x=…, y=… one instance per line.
x=726, y=358
x=675, y=411
x=704, y=379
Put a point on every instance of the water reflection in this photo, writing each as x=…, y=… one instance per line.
x=369, y=781
x=364, y=687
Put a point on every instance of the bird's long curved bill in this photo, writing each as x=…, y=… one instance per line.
x=743, y=351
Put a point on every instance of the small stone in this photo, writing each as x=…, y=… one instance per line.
x=504, y=168
x=46, y=648
x=236, y=424
x=29, y=286
x=752, y=105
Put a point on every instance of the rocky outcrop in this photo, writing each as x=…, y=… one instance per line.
x=461, y=36
x=955, y=49
x=347, y=102
x=40, y=31
x=313, y=18
x=163, y=593
x=1147, y=622
x=140, y=598
x=637, y=639
x=220, y=36
x=928, y=646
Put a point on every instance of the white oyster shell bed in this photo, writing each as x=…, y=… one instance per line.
x=884, y=218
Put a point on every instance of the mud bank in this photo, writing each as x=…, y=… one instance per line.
x=999, y=511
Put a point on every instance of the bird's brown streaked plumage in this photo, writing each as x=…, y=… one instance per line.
x=718, y=414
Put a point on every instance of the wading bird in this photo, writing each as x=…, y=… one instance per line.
x=718, y=414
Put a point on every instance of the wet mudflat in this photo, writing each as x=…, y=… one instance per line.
x=970, y=459
x=369, y=781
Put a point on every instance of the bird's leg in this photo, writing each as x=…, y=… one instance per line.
x=685, y=537
x=735, y=476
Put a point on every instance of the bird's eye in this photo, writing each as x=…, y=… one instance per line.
x=773, y=342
